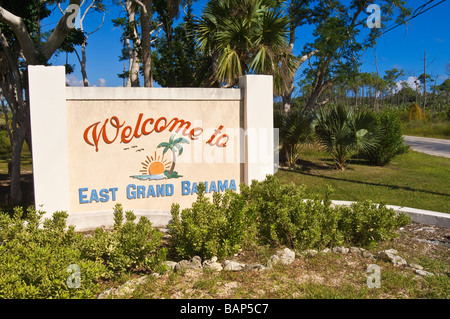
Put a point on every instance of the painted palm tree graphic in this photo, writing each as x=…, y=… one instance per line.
x=175, y=147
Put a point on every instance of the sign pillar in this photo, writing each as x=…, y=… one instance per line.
x=47, y=87
x=258, y=126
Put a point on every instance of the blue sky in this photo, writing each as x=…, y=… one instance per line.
x=401, y=48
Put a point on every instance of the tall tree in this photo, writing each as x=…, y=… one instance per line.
x=21, y=46
x=340, y=40
x=177, y=60
x=85, y=7
x=246, y=36
x=300, y=12
x=131, y=41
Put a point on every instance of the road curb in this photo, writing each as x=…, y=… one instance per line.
x=417, y=215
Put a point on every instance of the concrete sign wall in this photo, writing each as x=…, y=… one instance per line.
x=144, y=148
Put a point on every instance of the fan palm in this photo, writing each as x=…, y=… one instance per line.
x=344, y=132
x=174, y=146
x=295, y=129
x=246, y=36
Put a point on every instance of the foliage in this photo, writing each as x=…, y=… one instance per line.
x=295, y=128
x=245, y=37
x=366, y=224
x=270, y=213
x=34, y=260
x=207, y=229
x=35, y=255
x=177, y=61
x=343, y=132
x=129, y=246
x=391, y=141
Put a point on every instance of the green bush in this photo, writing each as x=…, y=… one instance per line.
x=391, y=141
x=5, y=144
x=129, y=246
x=272, y=214
x=207, y=229
x=365, y=223
x=284, y=217
x=34, y=260
x=35, y=256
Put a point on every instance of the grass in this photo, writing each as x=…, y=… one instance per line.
x=323, y=276
x=427, y=129
x=412, y=180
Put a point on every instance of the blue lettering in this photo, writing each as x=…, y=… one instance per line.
x=194, y=188
x=185, y=188
x=233, y=185
x=94, y=196
x=141, y=192
x=169, y=190
x=213, y=187
x=160, y=190
x=223, y=186
x=113, y=192
x=104, y=197
x=131, y=194
x=151, y=191
x=81, y=196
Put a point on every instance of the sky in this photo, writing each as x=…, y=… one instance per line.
x=401, y=48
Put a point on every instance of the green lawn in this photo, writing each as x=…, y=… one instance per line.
x=426, y=129
x=413, y=180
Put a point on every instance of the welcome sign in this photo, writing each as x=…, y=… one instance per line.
x=145, y=148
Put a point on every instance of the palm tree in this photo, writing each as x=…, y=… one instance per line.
x=344, y=132
x=295, y=129
x=174, y=146
x=246, y=36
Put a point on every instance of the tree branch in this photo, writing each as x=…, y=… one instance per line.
x=59, y=34
x=18, y=27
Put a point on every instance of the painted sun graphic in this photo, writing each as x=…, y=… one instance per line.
x=155, y=165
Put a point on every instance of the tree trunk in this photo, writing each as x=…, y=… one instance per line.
x=146, y=43
x=83, y=65
x=17, y=143
x=134, y=61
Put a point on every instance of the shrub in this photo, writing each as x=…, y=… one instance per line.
x=272, y=214
x=129, y=246
x=365, y=223
x=345, y=132
x=34, y=260
x=207, y=229
x=284, y=217
x=391, y=141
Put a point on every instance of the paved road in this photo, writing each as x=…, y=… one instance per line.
x=427, y=145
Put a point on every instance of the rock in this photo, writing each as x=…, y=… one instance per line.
x=170, y=264
x=423, y=272
x=366, y=254
x=286, y=256
x=415, y=266
x=274, y=259
x=256, y=267
x=233, y=266
x=310, y=252
x=391, y=255
x=355, y=250
x=341, y=250
x=212, y=264
x=124, y=290
x=326, y=250
x=195, y=263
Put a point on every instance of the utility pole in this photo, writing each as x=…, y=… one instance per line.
x=425, y=81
